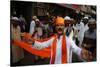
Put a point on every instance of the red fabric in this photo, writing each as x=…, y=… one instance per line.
x=64, y=50
x=53, y=50
x=28, y=47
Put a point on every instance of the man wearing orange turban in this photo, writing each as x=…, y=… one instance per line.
x=59, y=25
x=61, y=46
x=59, y=21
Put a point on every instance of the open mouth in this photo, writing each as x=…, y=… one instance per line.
x=60, y=31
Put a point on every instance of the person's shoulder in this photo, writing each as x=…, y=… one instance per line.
x=68, y=39
x=32, y=21
x=81, y=23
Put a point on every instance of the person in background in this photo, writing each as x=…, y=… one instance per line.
x=17, y=53
x=73, y=32
x=70, y=31
x=69, y=25
x=46, y=27
x=89, y=41
x=38, y=33
x=82, y=26
x=22, y=23
x=38, y=30
x=32, y=25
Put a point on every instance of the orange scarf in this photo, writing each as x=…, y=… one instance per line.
x=64, y=48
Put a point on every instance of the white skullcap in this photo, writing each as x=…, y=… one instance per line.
x=15, y=18
x=91, y=21
x=86, y=17
x=37, y=20
x=67, y=18
x=34, y=17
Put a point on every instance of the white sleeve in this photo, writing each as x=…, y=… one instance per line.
x=86, y=27
x=40, y=45
x=71, y=35
x=32, y=27
x=75, y=48
x=77, y=27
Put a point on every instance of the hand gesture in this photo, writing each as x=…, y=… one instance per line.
x=86, y=55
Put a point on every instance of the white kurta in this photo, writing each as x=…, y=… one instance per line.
x=32, y=27
x=71, y=46
x=82, y=28
x=58, y=51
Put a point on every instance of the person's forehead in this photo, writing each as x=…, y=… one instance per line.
x=68, y=20
x=85, y=19
x=14, y=20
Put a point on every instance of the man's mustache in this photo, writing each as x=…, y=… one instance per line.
x=60, y=29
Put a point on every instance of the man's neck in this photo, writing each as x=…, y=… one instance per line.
x=59, y=35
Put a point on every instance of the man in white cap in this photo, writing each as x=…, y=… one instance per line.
x=91, y=32
x=82, y=27
x=32, y=25
x=69, y=26
x=89, y=41
x=38, y=30
x=16, y=51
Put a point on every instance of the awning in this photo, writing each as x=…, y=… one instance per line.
x=72, y=6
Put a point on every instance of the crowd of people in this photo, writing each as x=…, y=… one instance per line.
x=82, y=32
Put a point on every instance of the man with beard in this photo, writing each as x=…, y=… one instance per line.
x=17, y=53
x=82, y=26
x=62, y=46
x=89, y=41
x=32, y=25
